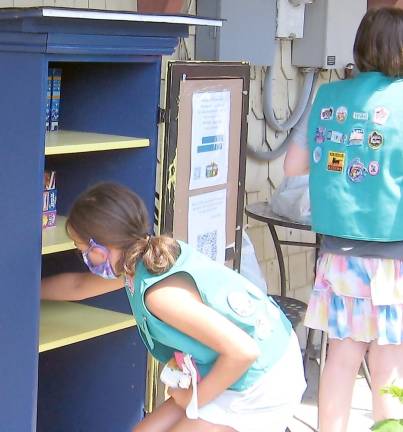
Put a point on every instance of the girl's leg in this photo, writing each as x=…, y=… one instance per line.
x=386, y=368
x=187, y=425
x=161, y=419
x=337, y=381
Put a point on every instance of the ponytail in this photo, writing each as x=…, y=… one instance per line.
x=115, y=216
x=158, y=253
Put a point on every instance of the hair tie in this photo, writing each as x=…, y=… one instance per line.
x=148, y=238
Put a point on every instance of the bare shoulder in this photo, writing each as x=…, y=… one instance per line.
x=175, y=289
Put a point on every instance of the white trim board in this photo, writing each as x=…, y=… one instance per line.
x=128, y=16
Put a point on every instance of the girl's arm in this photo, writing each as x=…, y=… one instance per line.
x=296, y=160
x=77, y=286
x=176, y=302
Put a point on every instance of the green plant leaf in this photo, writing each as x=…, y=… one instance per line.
x=388, y=426
x=394, y=391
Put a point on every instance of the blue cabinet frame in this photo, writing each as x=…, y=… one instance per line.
x=111, y=84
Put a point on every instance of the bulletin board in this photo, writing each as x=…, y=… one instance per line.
x=204, y=157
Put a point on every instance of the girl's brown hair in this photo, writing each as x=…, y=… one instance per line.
x=113, y=215
x=378, y=44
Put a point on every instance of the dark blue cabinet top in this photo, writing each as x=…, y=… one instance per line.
x=86, y=31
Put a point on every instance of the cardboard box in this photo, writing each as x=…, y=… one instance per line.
x=48, y=219
x=49, y=200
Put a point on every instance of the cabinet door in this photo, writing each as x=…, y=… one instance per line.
x=21, y=161
x=205, y=138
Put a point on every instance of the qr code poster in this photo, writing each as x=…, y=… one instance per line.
x=207, y=224
x=207, y=244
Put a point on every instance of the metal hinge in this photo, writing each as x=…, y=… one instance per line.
x=162, y=115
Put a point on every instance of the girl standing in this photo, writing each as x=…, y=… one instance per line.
x=352, y=147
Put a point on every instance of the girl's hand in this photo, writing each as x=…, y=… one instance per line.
x=180, y=396
x=177, y=302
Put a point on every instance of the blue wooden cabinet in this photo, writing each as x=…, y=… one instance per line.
x=111, y=66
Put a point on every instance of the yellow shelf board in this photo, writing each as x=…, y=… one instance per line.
x=65, y=323
x=65, y=142
x=55, y=239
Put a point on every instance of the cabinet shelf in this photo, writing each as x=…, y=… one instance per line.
x=55, y=239
x=65, y=323
x=65, y=142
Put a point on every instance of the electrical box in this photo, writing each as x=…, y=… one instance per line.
x=329, y=32
x=290, y=19
x=248, y=32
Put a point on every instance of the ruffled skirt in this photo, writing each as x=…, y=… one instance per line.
x=358, y=298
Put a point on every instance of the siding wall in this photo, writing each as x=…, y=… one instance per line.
x=263, y=178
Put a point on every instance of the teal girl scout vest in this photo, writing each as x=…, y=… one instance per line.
x=228, y=293
x=355, y=134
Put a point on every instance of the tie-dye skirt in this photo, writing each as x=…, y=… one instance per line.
x=358, y=298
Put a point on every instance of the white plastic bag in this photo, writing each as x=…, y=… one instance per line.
x=250, y=268
x=291, y=199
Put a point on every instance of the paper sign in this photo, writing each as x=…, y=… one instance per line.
x=210, y=139
x=207, y=224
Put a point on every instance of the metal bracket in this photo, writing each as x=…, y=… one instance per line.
x=162, y=115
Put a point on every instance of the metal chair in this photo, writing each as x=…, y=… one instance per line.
x=293, y=309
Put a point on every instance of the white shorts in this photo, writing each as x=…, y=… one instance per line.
x=270, y=403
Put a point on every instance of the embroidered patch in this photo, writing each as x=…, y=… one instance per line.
x=326, y=113
x=241, y=303
x=320, y=135
x=336, y=137
x=335, y=161
x=375, y=140
x=381, y=115
x=356, y=170
x=341, y=114
x=356, y=137
x=373, y=168
x=317, y=154
x=360, y=115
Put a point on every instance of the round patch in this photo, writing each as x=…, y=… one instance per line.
x=241, y=303
x=375, y=140
x=341, y=114
x=317, y=154
x=356, y=171
x=373, y=168
x=254, y=291
x=263, y=328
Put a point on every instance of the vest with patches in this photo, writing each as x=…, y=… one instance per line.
x=228, y=293
x=355, y=134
